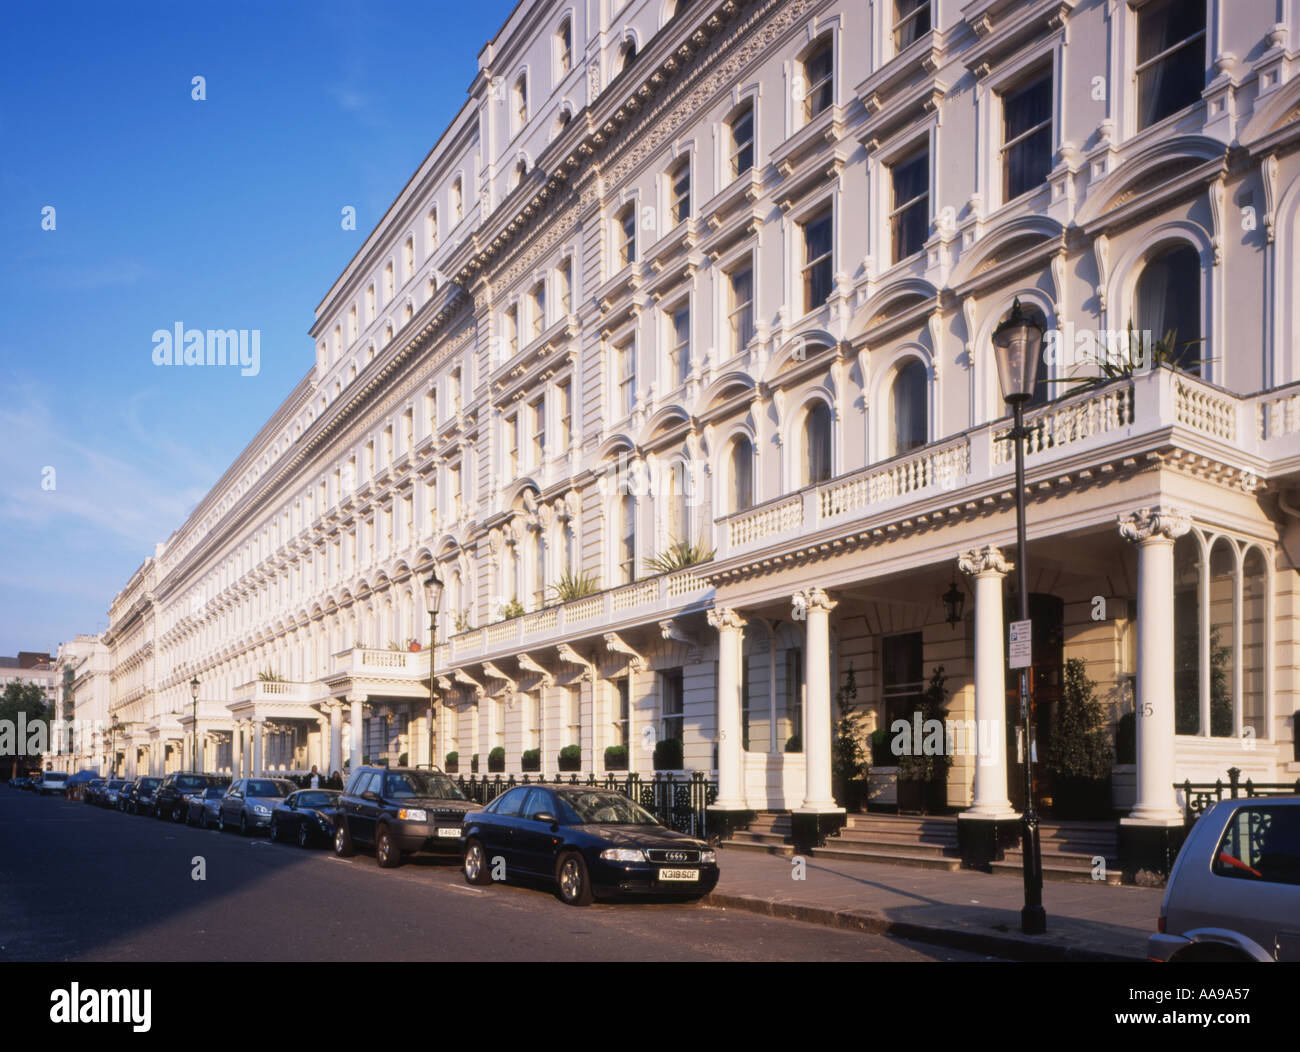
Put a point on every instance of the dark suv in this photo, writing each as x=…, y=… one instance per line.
x=137, y=798
x=169, y=801
x=400, y=811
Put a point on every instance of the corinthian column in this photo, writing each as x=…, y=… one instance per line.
x=1154, y=531
x=987, y=568
x=731, y=630
x=818, y=795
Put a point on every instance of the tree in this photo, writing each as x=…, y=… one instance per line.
x=1080, y=739
x=916, y=765
x=28, y=701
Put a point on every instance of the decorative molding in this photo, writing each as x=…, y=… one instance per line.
x=979, y=562
x=1158, y=523
x=724, y=618
x=568, y=654
x=527, y=663
x=615, y=644
x=814, y=599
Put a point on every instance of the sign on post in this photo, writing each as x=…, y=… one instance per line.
x=1021, y=650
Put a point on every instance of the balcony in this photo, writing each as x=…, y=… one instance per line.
x=644, y=601
x=1256, y=437
x=361, y=662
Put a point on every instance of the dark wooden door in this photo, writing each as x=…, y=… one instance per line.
x=1047, y=675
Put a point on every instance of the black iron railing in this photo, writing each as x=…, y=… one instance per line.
x=1197, y=796
x=678, y=801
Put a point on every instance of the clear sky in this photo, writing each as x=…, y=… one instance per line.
x=222, y=213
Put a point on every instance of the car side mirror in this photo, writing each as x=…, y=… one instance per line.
x=544, y=816
x=370, y=795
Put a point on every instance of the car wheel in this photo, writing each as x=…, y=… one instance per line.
x=342, y=841
x=388, y=853
x=243, y=824
x=304, y=835
x=474, y=865
x=176, y=813
x=571, y=876
x=221, y=822
x=274, y=832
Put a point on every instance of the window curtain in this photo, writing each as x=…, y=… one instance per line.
x=911, y=424
x=742, y=475
x=817, y=445
x=1169, y=301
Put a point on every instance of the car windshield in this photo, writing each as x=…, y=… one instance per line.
x=116, y=785
x=214, y=792
x=266, y=787
x=602, y=808
x=149, y=783
x=190, y=782
x=318, y=798
x=420, y=783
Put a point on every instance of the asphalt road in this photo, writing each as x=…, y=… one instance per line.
x=78, y=883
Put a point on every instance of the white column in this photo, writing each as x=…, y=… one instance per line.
x=336, y=737
x=817, y=607
x=357, y=703
x=1154, y=531
x=731, y=787
x=988, y=567
x=259, y=739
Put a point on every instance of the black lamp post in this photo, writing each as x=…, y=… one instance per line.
x=1017, y=342
x=432, y=600
x=194, y=715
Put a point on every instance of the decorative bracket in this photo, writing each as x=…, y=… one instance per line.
x=527, y=663
x=461, y=676
x=568, y=654
x=491, y=670
x=616, y=646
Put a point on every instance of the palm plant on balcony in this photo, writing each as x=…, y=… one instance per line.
x=514, y=608
x=679, y=555
x=570, y=585
x=1131, y=358
x=461, y=622
x=267, y=676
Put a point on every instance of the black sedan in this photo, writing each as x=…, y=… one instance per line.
x=203, y=808
x=306, y=816
x=137, y=798
x=590, y=842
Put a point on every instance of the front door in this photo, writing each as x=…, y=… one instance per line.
x=1046, y=615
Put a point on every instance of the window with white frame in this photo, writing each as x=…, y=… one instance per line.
x=622, y=714
x=818, y=263
x=677, y=524
x=741, y=474
x=538, y=559
x=537, y=418
x=538, y=308
x=431, y=228
x=818, y=80
x=510, y=330
x=564, y=48
x=408, y=259
x=565, y=437
x=370, y=304
x=911, y=22
x=573, y=713
x=1026, y=135
x=625, y=377
x=679, y=191
x=679, y=344
x=1170, y=57
x=457, y=200
x=1167, y=307
x=909, y=407
x=512, y=445
x=566, y=285
x=672, y=707
x=909, y=217
x=817, y=444
x=626, y=553
x=521, y=101
x=625, y=236
x=388, y=282
x=741, y=140
x=740, y=309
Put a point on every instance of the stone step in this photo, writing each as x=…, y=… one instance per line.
x=1057, y=870
x=871, y=836
x=895, y=858
x=766, y=849
x=751, y=836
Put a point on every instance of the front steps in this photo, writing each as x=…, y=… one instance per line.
x=1081, y=852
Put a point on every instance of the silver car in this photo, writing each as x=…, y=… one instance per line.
x=1234, y=893
x=248, y=804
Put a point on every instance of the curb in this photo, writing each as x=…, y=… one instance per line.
x=1019, y=949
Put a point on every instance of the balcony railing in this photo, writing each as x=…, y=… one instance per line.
x=1253, y=430
x=362, y=660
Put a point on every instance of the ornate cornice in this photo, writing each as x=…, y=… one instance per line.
x=1161, y=524
x=983, y=562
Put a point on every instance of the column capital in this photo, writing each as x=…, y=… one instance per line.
x=1159, y=523
x=814, y=599
x=354, y=698
x=724, y=617
x=986, y=561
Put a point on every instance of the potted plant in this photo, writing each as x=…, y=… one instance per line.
x=848, y=758
x=794, y=743
x=616, y=758
x=923, y=768
x=1079, y=757
x=401, y=760
x=570, y=758
x=473, y=764
x=668, y=754
x=531, y=760
x=453, y=762
x=497, y=760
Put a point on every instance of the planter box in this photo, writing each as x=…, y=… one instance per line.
x=1123, y=787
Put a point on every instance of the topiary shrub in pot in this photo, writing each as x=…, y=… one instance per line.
x=453, y=762
x=1079, y=757
x=794, y=743
x=616, y=758
x=401, y=760
x=668, y=754
x=570, y=758
x=923, y=766
x=531, y=760
x=473, y=764
x=497, y=760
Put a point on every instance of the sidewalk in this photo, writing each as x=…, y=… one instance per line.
x=967, y=910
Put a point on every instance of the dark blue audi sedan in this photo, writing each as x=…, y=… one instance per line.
x=592, y=842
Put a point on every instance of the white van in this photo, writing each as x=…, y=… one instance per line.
x=53, y=782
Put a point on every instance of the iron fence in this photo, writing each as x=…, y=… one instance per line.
x=1197, y=796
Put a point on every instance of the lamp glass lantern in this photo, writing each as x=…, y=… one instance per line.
x=954, y=603
x=432, y=593
x=1017, y=343
x=194, y=688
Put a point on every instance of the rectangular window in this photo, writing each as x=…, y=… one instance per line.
x=537, y=412
x=512, y=446
x=622, y=711
x=457, y=496
x=909, y=220
x=574, y=714
x=741, y=308
x=565, y=42
x=911, y=22
x=566, y=286
x=679, y=345
x=902, y=678
x=680, y=205
x=1027, y=136
x=817, y=267
x=539, y=308
x=794, y=692
x=819, y=86
x=742, y=142
x=626, y=400
x=1170, y=58
x=671, y=703
x=627, y=237
x=566, y=418
x=511, y=331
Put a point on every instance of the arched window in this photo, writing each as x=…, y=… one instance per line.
x=564, y=48
x=627, y=539
x=909, y=408
x=626, y=54
x=1254, y=618
x=1187, y=635
x=741, y=475
x=817, y=444
x=678, y=525
x=539, y=570
x=1223, y=640
x=1167, y=307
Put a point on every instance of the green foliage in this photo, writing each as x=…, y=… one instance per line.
x=27, y=699
x=916, y=766
x=267, y=676
x=570, y=585
x=669, y=754
x=461, y=622
x=514, y=608
x=880, y=754
x=531, y=760
x=616, y=758
x=848, y=756
x=473, y=764
x=1132, y=358
x=570, y=758
x=1126, y=738
x=402, y=759
x=453, y=760
x=679, y=555
x=1080, y=745
x=497, y=759
x=794, y=743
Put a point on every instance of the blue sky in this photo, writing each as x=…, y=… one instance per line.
x=223, y=213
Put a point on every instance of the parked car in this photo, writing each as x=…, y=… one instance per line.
x=90, y=794
x=20, y=783
x=169, y=800
x=29, y=785
x=306, y=816
x=203, y=808
x=53, y=783
x=400, y=811
x=248, y=803
x=591, y=842
x=137, y=798
x=1234, y=891
x=112, y=792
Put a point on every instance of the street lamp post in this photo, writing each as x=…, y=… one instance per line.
x=1017, y=342
x=194, y=728
x=433, y=599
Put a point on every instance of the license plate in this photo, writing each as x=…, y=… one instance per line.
x=449, y=832
x=679, y=874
